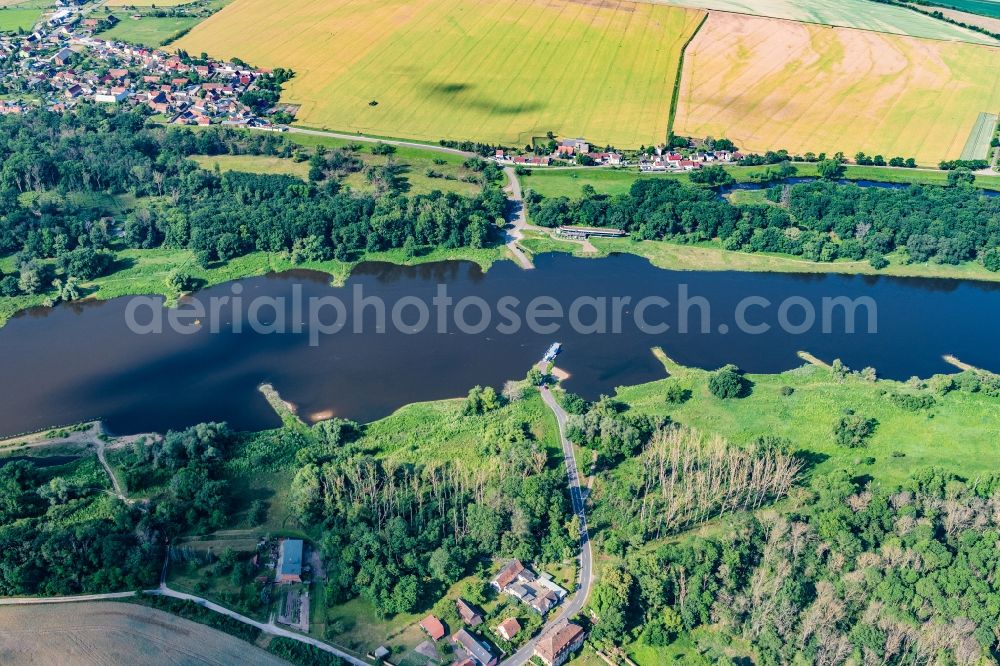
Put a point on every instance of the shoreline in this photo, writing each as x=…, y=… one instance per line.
x=146, y=277
x=288, y=412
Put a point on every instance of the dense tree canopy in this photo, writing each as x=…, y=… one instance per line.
x=52, y=165
x=897, y=576
x=820, y=221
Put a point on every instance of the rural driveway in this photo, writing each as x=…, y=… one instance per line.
x=267, y=628
x=26, y=601
x=516, y=219
x=586, y=572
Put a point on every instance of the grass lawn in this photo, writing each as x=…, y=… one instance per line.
x=253, y=164
x=416, y=163
x=436, y=431
x=503, y=72
x=958, y=434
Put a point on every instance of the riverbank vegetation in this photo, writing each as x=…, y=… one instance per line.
x=819, y=492
x=817, y=221
x=404, y=511
x=109, y=206
x=61, y=532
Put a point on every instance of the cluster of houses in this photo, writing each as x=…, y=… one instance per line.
x=539, y=593
x=118, y=73
x=674, y=161
x=661, y=160
x=567, y=149
x=469, y=649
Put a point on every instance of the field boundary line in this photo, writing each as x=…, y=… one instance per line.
x=676, y=95
x=994, y=45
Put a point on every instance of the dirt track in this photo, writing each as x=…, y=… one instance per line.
x=115, y=633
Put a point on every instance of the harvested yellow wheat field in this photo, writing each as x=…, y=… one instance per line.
x=497, y=70
x=111, y=633
x=769, y=84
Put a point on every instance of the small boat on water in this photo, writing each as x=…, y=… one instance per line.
x=553, y=351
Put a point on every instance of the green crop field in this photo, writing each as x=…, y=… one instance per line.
x=149, y=31
x=862, y=14
x=13, y=19
x=977, y=147
x=983, y=7
x=570, y=182
x=502, y=72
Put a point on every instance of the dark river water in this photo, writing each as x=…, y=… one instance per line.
x=81, y=362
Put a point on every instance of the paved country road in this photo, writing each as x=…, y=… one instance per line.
x=586, y=572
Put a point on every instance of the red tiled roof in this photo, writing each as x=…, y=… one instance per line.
x=508, y=574
x=509, y=628
x=556, y=640
x=433, y=627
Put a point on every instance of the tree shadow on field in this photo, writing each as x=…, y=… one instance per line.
x=463, y=94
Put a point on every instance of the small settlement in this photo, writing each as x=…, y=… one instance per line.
x=568, y=149
x=537, y=592
x=469, y=649
x=579, y=152
x=540, y=593
x=62, y=63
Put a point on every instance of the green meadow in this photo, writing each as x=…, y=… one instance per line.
x=957, y=434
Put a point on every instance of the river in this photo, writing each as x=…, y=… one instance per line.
x=82, y=361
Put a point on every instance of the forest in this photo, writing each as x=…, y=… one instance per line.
x=52, y=165
x=850, y=572
x=398, y=534
x=819, y=221
x=60, y=533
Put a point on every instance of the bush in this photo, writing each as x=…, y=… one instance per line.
x=86, y=263
x=911, y=402
x=298, y=652
x=787, y=391
x=181, y=281
x=8, y=286
x=852, y=430
x=878, y=261
x=574, y=404
x=991, y=260
x=728, y=382
x=674, y=393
